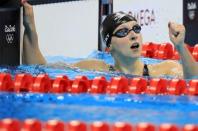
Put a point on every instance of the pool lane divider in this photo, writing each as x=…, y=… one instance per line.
x=99, y=85
x=9, y=124
x=165, y=51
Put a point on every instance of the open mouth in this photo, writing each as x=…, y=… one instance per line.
x=135, y=46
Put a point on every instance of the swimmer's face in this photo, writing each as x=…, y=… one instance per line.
x=127, y=40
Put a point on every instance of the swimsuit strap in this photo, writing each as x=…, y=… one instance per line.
x=145, y=70
x=111, y=68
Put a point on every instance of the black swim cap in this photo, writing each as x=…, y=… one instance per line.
x=111, y=22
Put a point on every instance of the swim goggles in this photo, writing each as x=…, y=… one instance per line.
x=125, y=31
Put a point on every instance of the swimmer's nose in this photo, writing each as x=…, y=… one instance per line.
x=133, y=35
x=133, y=38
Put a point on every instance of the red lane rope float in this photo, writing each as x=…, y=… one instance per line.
x=195, y=52
x=122, y=126
x=145, y=127
x=157, y=86
x=118, y=85
x=175, y=55
x=42, y=84
x=54, y=125
x=190, y=48
x=190, y=127
x=150, y=49
x=193, y=87
x=177, y=87
x=99, y=126
x=9, y=124
x=168, y=127
x=80, y=84
x=99, y=85
x=76, y=126
x=23, y=82
x=6, y=83
x=32, y=125
x=137, y=86
x=61, y=85
x=165, y=51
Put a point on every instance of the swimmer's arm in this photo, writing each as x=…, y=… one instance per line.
x=168, y=67
x=177, y=36
x=31, y=51
x=92, y=64
x=190, y=66
x=31, y=55
x=59, y=65
x=89, y=64
x=173, y=68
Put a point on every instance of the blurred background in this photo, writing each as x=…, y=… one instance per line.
x=71, y=27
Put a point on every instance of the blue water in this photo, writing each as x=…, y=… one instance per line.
x=111, y=108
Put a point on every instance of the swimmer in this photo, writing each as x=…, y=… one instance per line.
x=123, y=38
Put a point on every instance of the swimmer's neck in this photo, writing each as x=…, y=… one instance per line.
x=129, y=65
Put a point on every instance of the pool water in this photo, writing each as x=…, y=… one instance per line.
x=156, y=109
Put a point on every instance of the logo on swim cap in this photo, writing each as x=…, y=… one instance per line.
x=118, y=16
x=107, y=37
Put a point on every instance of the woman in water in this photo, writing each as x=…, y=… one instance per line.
x=122, y=36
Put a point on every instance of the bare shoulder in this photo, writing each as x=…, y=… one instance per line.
x=168, y=67
x=92, y=64
x=171, y=63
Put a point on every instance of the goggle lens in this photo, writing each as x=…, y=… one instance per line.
x=125, y=31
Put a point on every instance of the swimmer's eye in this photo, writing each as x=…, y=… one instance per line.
x=125, y=31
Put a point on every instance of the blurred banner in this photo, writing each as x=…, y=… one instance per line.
x=190, y=19
x=10, y=30
x=153, y=16
x=67, y=28
x=105, y=8
x=71, y=27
